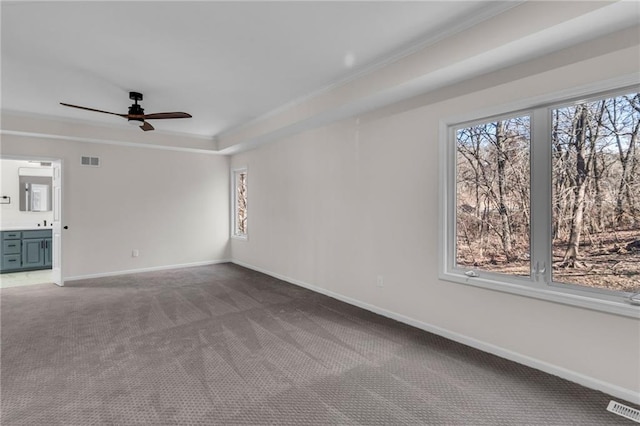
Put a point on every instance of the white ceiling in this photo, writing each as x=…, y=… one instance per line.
x=226, y=63
x=238, y=67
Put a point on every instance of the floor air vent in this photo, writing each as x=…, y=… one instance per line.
x=624, y=411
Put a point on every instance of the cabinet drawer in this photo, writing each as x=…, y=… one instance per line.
x=11, y=247
x=11, y=235
x=11, y=261
x=38, y=233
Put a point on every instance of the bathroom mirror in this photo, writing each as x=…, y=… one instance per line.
x=35, y=193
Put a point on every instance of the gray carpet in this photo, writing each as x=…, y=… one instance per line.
x=226, y=345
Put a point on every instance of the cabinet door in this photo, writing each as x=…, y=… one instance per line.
x=32, y=252
x=48, y=252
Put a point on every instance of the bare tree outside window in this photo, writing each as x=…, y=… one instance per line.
x=594, y=198
x=596, y=193
x=240, y=217
x=493, y=196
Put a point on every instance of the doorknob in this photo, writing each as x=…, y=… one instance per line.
x=65, y=227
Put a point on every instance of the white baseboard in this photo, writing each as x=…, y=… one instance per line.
x=150, y=269
x=570, y=375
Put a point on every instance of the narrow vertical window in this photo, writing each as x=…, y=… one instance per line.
x=239, y=191
x=492, y=196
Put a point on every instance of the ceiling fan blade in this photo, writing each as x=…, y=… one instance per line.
x=146, y=126
x=92, y=109
x=161, y=115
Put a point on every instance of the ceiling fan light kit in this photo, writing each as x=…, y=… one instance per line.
x=136, y=115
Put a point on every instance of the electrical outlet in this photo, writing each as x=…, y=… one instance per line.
x=380, y=281
x=135, y=253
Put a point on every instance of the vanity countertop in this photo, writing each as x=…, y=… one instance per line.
x=24, y=228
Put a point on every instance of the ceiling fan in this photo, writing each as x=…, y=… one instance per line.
x=136, y=115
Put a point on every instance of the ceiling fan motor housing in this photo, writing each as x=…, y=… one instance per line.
x=135, y=109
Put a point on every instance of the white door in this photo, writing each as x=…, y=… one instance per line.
x=57, y=223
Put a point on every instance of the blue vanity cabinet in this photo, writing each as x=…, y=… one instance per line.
x=26, y=250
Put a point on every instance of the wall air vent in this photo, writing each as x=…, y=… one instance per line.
x=90, y=161
x=624, y=411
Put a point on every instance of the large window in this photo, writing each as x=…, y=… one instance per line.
x=546, y=201
x=239, y=203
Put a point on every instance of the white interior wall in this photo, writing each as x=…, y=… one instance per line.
x=172, y=206
x=333, y=208
x=11, y=216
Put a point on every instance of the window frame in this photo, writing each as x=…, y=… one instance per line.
x=235, y=173
x=538, y=285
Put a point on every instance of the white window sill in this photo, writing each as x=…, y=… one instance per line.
x=618, y=305
x=240, y=237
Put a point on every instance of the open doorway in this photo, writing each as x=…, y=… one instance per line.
x=30, y=221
